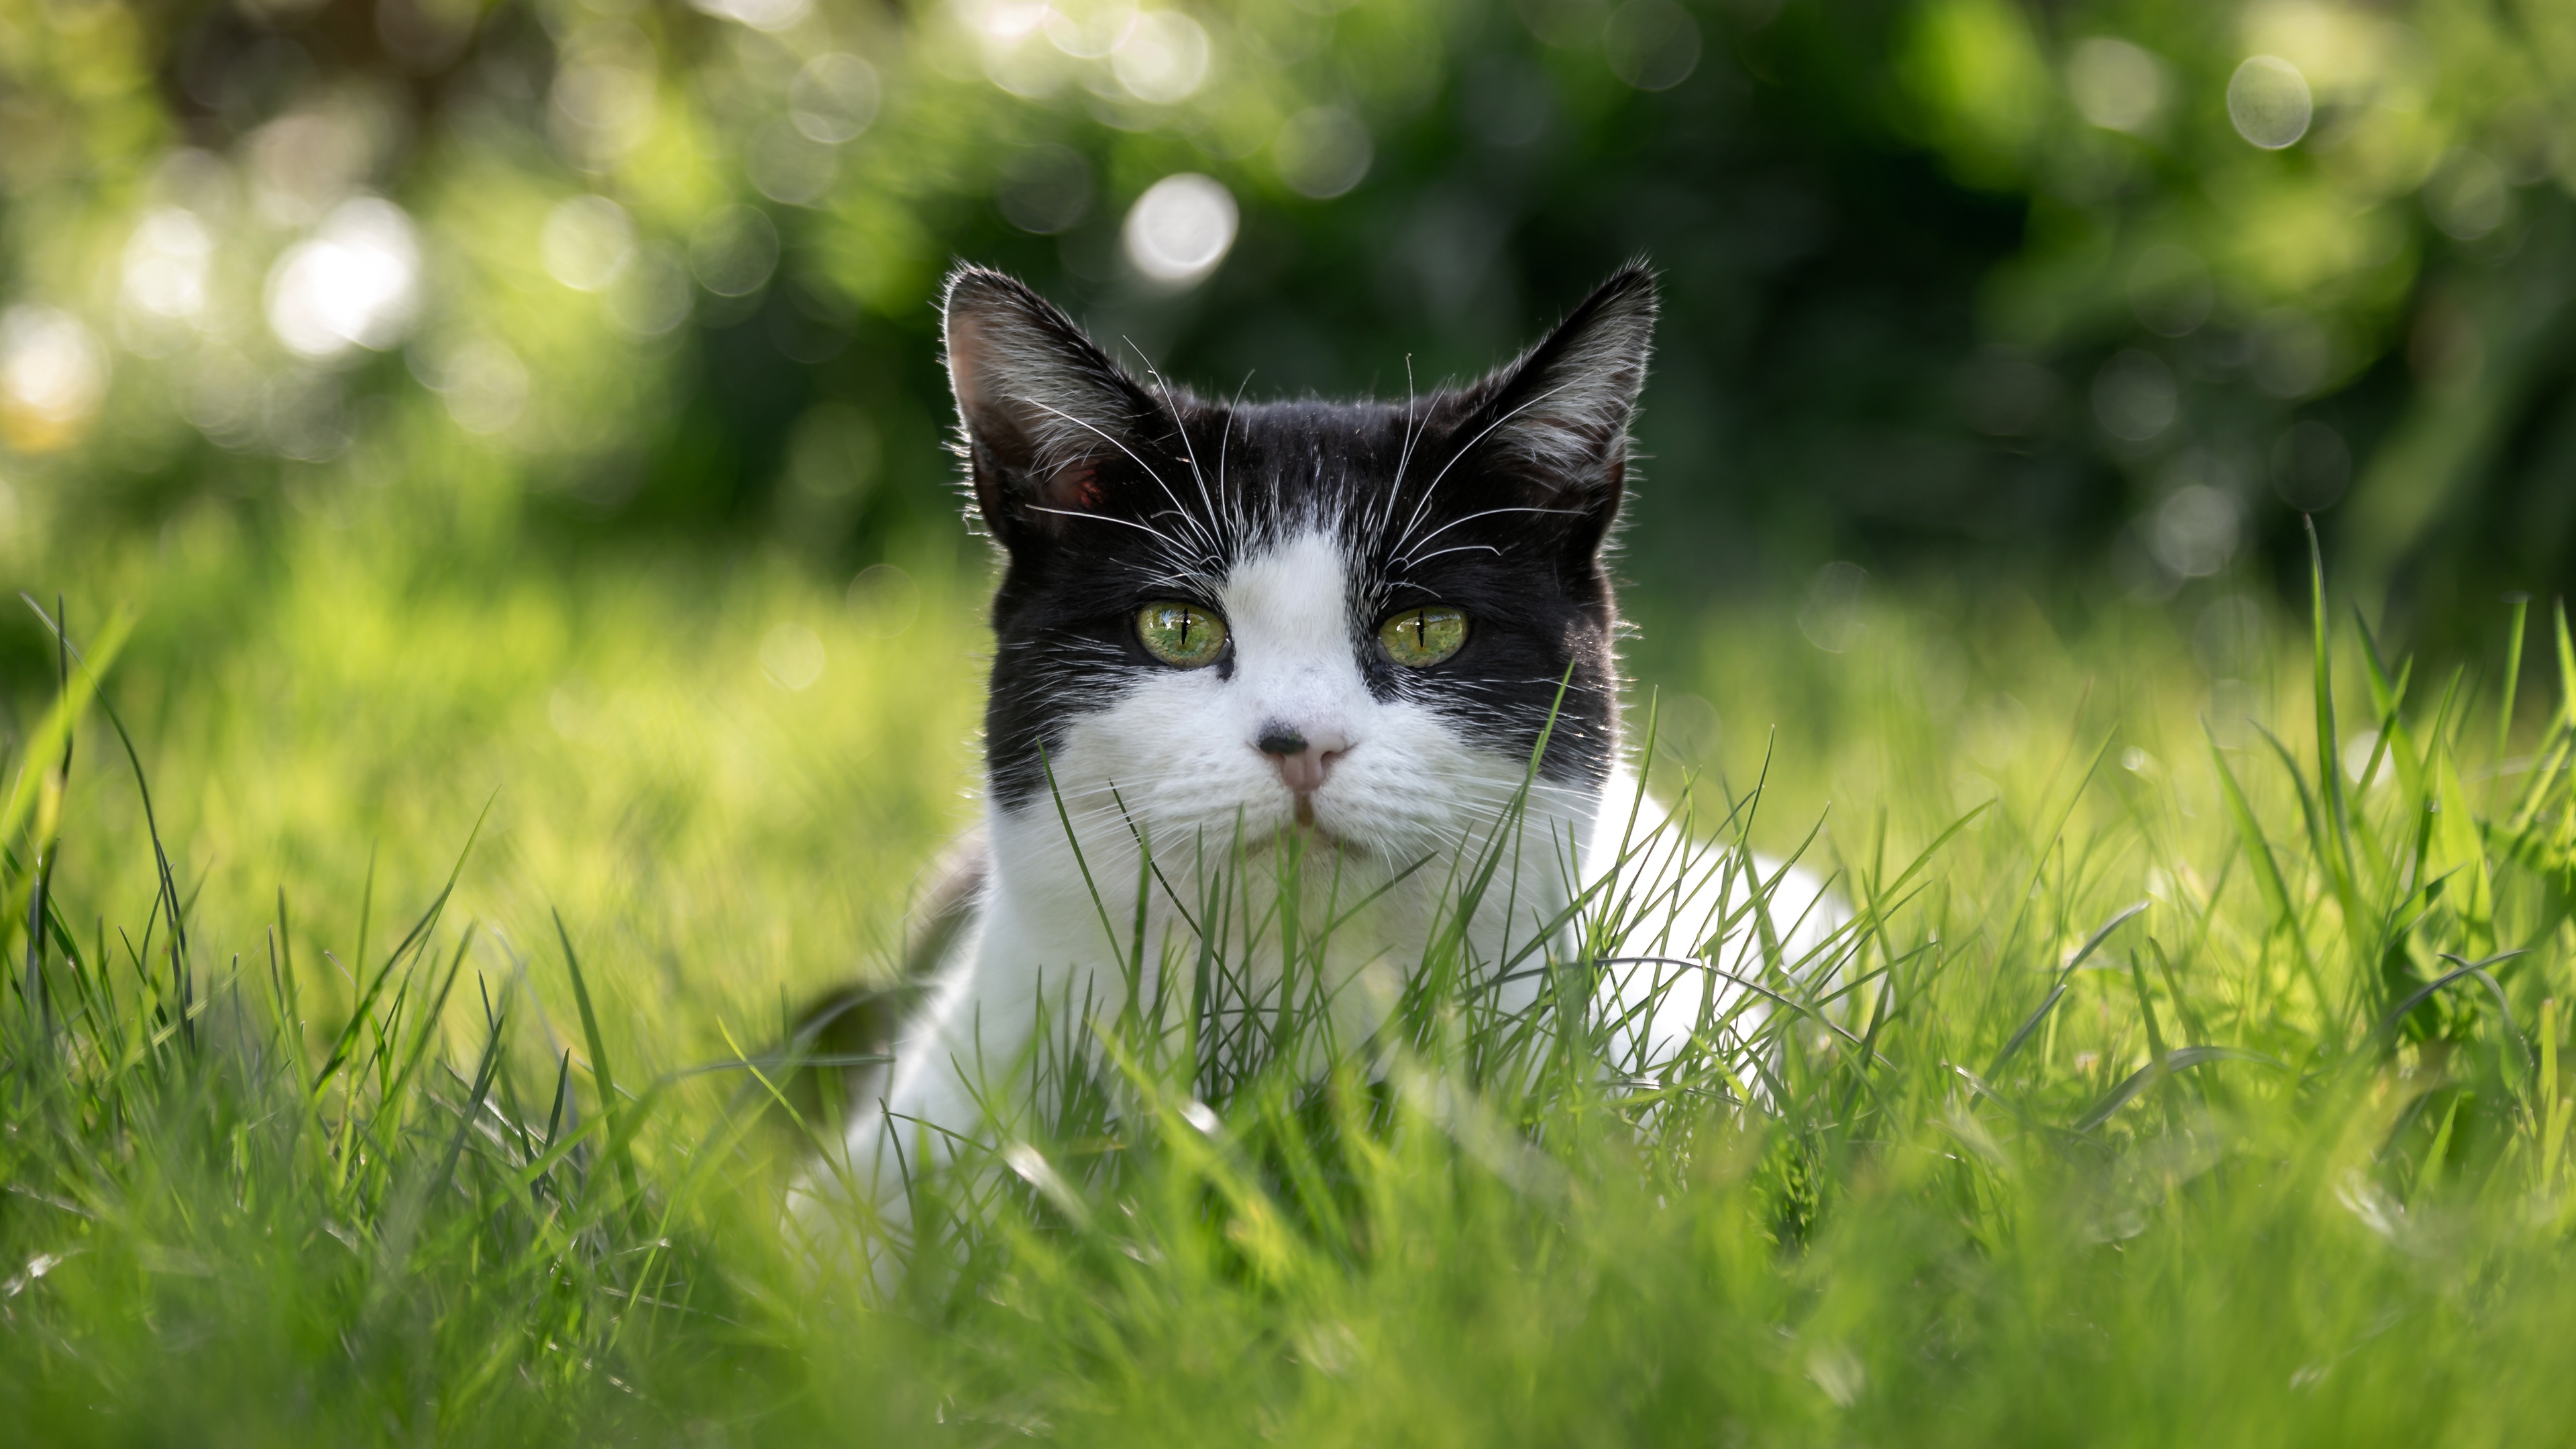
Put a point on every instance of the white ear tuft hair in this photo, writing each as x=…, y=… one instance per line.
x=1563, y=409
x=1037, y=401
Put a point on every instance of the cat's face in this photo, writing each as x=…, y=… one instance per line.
x=1355, y=619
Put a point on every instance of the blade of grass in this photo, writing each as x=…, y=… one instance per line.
x=2521, y=604
x=2175, y=1061
x=2092, y=943
x=54, y=726
x=614, y=1121
x=48, y=844
x=2267, y=870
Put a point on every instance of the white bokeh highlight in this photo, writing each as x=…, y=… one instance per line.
x=167, y=262
x=355, y=284
x=792, y=656
x=587, y=242
x=1164, y=58
x=2116, y=85
x=834, y=97
x=2269, y=102
x=1180, y=229
x=53, y=376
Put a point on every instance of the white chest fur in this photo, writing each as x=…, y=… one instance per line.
x=1051, y=950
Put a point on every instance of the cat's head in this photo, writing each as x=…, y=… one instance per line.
x=1357, y=617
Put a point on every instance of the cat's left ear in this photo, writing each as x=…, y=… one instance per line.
x=1557, y=419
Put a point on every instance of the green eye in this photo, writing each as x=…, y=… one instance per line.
x=1418, y=638
x=1184, y=636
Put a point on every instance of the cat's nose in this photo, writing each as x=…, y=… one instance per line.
x=1303, y=758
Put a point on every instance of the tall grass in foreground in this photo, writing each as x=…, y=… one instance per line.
x=2187, y=1088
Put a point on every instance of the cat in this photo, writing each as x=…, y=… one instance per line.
x=1342, y=631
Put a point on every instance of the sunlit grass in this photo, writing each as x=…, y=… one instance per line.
x=2156, y=1098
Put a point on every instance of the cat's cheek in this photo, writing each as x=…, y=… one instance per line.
x=1415, y=785
x=1173, y=749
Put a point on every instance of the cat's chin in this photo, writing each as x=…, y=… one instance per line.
x=1303, y=833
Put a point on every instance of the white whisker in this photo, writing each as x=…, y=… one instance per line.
x=1433, y=486
x=1207, y=540
x=1145, y=528
x=1179, y=425
x=1489, y=513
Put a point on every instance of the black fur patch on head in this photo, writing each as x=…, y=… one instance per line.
x=1106, y=492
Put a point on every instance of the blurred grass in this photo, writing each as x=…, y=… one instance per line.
x=2351, y=1229
x=642, y=767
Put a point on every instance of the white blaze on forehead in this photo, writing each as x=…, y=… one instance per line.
x=1289, y=608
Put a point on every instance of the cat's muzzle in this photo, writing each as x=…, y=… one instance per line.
x=1304, y=759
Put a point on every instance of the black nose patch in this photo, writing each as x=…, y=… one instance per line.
x=1280, y=740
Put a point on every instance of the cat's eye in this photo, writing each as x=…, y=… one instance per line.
x=1184, y=636
x=1417, y=638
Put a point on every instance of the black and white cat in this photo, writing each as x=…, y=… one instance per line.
x=1221, y=627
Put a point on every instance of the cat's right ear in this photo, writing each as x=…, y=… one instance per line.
x=1040, y=408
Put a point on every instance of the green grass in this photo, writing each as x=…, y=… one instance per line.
x=433, y=1128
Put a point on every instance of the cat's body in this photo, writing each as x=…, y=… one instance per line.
x=1299, y=649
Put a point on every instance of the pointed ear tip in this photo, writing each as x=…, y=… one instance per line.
x=970, y=285
x=1634, y=288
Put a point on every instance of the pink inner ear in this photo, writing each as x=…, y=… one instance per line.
x=966, y=362
x=1077, y=487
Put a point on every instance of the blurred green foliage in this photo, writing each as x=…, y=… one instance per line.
x=2107, y=292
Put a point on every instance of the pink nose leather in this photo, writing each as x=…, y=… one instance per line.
x=1303, y=759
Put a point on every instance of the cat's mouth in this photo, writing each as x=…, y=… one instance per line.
x=1309, y=834
x=1315, y=832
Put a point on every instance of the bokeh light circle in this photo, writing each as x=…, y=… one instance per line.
x=167, y=263
x=792, y=655
x=2467, y=195
x=2116, y=85
x=789, y=166
x=2269, y=102
x=1322, y=152
x=354, y=284
x=53, y=376
x=734, y=250
x=1164, y=59
x=834, y=97
x=2195, y=531
x=587, y=242
x=1179, y=230
x=883, y=601
x=652, y=295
